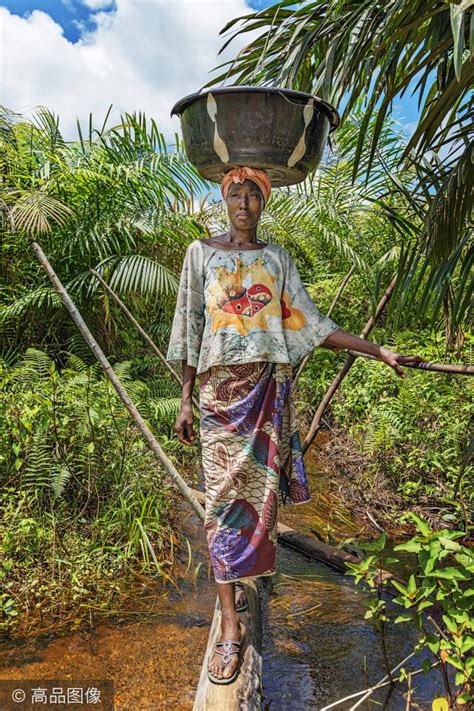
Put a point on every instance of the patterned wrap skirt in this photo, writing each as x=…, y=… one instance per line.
x=251, y=453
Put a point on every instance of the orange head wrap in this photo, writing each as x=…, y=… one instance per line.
x=238, y=175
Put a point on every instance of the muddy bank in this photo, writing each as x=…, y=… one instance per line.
x=372, y=503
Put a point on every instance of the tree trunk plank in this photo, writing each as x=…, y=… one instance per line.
x=245, y=693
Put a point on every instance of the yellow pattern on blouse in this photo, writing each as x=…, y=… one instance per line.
x=239, y=306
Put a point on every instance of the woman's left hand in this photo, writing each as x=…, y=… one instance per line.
x=395, y=360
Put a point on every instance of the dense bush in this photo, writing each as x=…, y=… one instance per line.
x=412, y=431
x=83, y=502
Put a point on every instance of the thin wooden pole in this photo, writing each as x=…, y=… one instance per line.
x=110, y=374
x=435, y=367
x=141, y=330
x=316, y=423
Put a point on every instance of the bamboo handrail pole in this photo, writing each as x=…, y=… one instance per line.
x=110, y=373
x=435, y=367
x=341, y=288
x=316, y=423
x=141, y=330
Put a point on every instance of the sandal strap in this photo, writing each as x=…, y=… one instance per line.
x=225, y=654
x=227, y=643
x=227, y=650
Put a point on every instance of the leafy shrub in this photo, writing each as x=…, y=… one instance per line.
x=83, y=502
x=413, y=429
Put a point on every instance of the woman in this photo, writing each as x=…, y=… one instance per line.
x=243, y=320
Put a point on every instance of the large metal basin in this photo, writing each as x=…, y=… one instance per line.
x=280, y=130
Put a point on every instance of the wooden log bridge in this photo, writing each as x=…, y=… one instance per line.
x=244, y=694
x=246, y=691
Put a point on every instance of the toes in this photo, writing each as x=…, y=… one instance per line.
x=215, y=668
x=229, y=670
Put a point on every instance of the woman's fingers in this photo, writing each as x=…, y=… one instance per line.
x=399, y=360
x=398, y=370
x=190, y=431
x=412, y=359
x=185, y=431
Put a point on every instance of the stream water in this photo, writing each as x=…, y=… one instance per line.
x=317, y=646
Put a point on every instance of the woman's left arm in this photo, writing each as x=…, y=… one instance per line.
x=342, y=339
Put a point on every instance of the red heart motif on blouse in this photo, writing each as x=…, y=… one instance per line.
x=250, y=301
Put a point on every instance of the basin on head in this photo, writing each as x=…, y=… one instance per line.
x=278, y=130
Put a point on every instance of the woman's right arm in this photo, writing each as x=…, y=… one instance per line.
x=184, y=422
x=186, y=334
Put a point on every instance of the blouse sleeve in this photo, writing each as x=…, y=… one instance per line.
x=316, y=327
x=189, y=319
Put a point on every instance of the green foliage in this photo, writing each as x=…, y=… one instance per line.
x=115, y=200
x=366, y=56
x=437, y=598
x=82, y=500
x=414, y=429
x=58, y=430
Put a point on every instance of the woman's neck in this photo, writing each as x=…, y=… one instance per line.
x=237, y=236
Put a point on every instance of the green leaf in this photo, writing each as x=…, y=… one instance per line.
x=467, y=645
x=423, y=605
x=390, y=560
x=404, y=617
x=426, y=664
x=449, y=574
x=440, y=704
x=420, y=523
x=454, y=662
x=411, y=587
x=457, y=26
x=449, y=544
x=377, y=545
x=450, y=624
x=399, y=587
x=411, y=546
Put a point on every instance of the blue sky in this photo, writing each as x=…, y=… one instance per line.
x=75, y=16
x=79, y=56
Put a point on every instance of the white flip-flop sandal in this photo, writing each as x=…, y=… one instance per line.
x=226, y=656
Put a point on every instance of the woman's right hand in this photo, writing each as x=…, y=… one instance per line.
x=184, y=424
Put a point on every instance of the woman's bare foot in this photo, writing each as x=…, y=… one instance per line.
x=230, y=630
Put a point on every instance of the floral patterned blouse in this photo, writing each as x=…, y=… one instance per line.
x=238, y=306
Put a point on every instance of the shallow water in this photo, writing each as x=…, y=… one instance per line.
x=317, y=643
x=317, y=647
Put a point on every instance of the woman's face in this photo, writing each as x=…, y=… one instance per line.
x=244, y=204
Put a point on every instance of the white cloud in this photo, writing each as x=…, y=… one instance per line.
x=143, y=55
x=97, y=4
